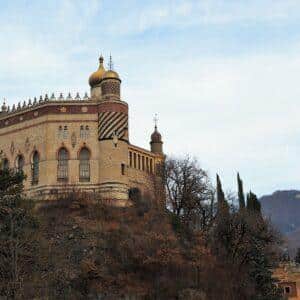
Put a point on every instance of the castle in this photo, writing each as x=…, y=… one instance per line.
x=82, y=144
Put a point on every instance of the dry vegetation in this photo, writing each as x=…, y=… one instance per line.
x=93, y=249
x=80, y=248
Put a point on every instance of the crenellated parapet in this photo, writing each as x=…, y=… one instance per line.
x=41, y=100
x=44, y=105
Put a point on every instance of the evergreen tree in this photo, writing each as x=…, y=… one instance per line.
x=262, y=258
x=18, y=245
x=222, y=203
x=240, y=192
x=297, y=258
x=252, y=203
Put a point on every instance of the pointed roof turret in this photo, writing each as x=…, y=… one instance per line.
x=4, y=107
x=156, y=140
x=155, y=136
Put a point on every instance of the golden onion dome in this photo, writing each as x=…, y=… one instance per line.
x=110, y=74
x=97, y=76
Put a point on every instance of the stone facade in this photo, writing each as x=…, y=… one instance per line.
x=78, y=144
x=288, y=275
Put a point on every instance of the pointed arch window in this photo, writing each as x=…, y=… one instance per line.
x=35, y=168
x=5, y=164
x=84, y=165
x=63, y=165
x=84, y=132
x=60, y=132
x=20, y=162
x=65, y=132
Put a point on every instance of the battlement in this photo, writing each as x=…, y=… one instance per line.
x=26, y=105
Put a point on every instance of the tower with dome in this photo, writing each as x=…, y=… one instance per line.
x=73, y=143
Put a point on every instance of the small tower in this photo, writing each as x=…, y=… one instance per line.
x=3, y=107
x=111, y=84
x=95, y=80
x=156, y=143
x=113, y=140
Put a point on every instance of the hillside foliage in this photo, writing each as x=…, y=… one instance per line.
x=197, y=246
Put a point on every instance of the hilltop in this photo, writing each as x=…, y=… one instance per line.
x=94, y=250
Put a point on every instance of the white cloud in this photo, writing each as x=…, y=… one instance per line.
x=181, y=14
x=234, y=114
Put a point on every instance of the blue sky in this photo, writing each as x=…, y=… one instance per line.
x=223, y=75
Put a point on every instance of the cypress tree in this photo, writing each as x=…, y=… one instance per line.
x=220, y=193
x=240, y=192
x=222, y=203
x=252, y=203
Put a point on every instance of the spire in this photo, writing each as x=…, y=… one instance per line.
x=156, y=136
x=101, y=59
x=110, y=64
x=155, y=119
x=156, y=140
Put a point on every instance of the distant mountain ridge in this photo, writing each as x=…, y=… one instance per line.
x=283, y=208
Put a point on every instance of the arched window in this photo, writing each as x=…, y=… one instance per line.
x=60, y=132
x=20, y=162
x=35, y=168
x=84, y=131
x=84, y=165
x=62, y=167
x=81, y=132
x=65, y=132
x=87, y=131
x=5, y=164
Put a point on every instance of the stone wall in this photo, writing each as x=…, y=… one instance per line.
x=38, y=129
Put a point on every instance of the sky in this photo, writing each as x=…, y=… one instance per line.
x=222, y=75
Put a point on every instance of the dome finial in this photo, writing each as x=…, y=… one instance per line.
x=111, y=64
x=155, y=119
x=111, y=73
x=96, y=77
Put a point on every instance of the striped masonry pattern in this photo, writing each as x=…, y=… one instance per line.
x=112, y=122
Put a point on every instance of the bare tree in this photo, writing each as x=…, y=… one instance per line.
x=190, y=195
